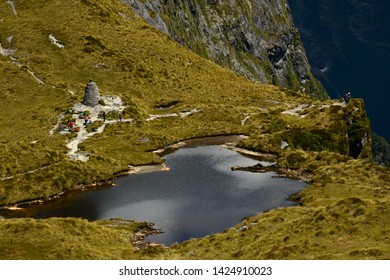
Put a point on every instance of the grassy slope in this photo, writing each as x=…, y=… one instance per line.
x=67, y=238
x=132, y=60
x=126, y=58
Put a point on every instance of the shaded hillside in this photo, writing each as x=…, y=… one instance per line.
x=380, y=150
x=348, y=45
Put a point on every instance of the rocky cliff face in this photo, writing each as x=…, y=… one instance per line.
x=255, y=38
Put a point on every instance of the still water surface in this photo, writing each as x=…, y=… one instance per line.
x=200, y=195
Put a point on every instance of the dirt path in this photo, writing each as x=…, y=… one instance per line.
x=112, y=103
x=28, y=172
x=300, y=109
x=12, y=5
x=173, y=115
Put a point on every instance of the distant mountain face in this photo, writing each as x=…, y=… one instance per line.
x=255, y=38
x=348, y=45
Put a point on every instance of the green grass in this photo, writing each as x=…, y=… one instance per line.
x=343, y=213
x=66, y=239
x=126, y=58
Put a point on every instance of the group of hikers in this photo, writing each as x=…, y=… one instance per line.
x=88, y=120
x=73, y=128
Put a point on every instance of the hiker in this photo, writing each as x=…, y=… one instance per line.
x=104, y=116
x=120, y=116
x=70, y=125
x=347, y=97
x=87, y=121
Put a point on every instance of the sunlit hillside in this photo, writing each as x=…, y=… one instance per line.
x=49, y=52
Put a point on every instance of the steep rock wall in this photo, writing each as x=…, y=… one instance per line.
x=255, y=38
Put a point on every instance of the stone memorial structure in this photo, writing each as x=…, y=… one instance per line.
x=91, y=94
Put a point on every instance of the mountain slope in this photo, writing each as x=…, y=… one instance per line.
x=127, y=58
x=254, y=38
x=154, y=76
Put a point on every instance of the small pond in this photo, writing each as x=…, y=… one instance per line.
x=200, y=195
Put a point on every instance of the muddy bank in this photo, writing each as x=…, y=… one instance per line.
x=282, y=172
x=214, y=140
x=134, y=231
x=230, y=140
x=260, y=168
x=23, y=205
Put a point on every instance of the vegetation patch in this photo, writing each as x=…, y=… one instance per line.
x=314, y=140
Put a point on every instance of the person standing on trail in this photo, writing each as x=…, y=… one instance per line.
x=120, y=116
x=347, y=97
x=70, y=125
x=104, y=116
x=87, y=121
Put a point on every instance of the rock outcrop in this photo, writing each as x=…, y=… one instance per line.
x=255, y=38
x=358, y=130
x=91, y=94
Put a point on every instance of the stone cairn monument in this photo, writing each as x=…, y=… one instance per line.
x=91, y=94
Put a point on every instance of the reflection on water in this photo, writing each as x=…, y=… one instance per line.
x=200, y=195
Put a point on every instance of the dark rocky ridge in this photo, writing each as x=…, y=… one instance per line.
x=254, y=38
